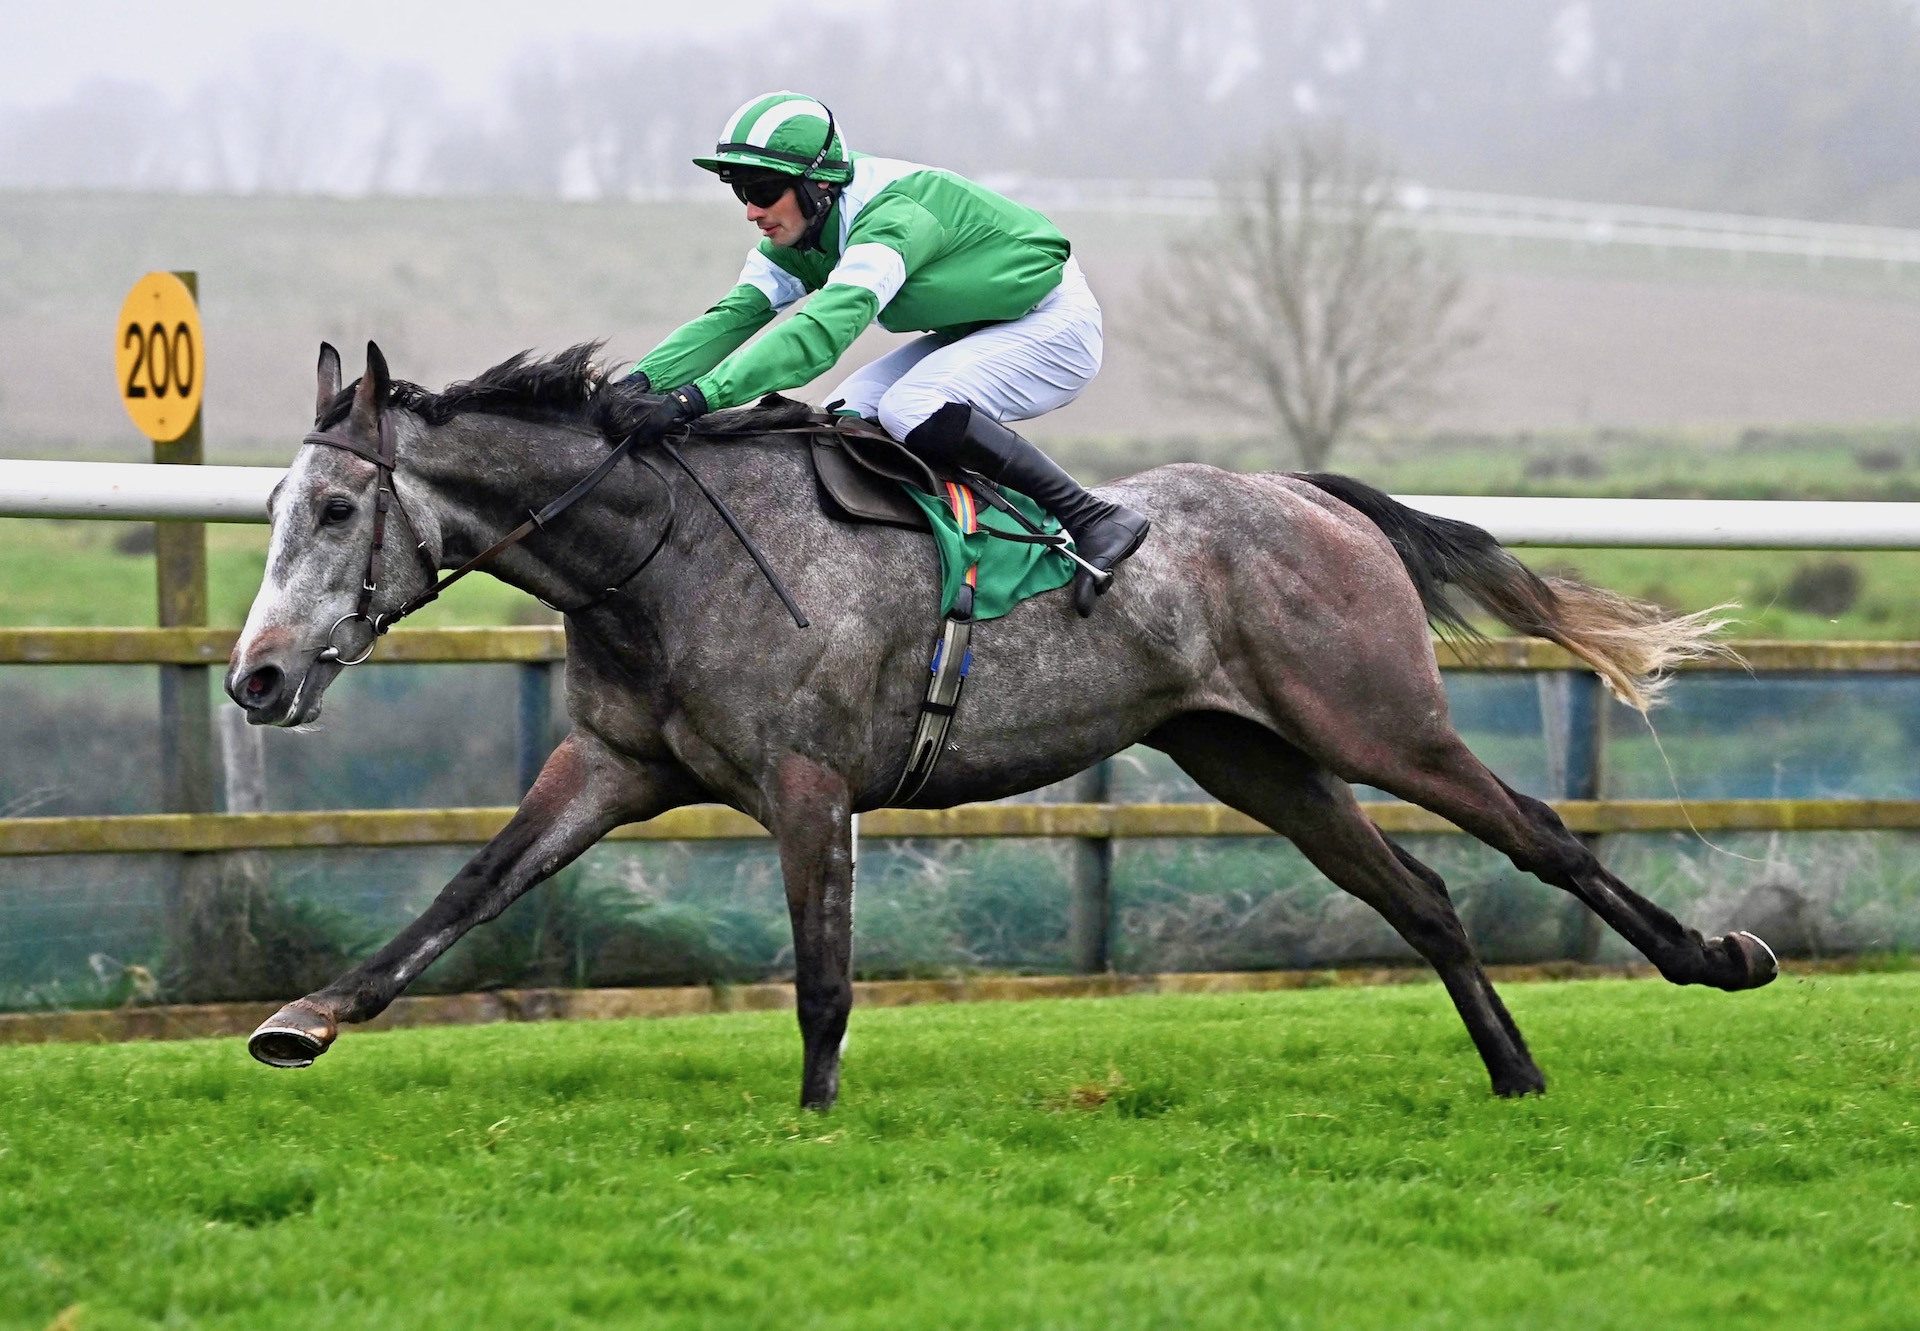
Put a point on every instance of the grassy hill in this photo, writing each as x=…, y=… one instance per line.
x=1576, y=339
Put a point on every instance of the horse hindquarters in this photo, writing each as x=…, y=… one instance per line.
x=1370, y=706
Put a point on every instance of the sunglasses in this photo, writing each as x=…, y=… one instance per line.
x=761, y=191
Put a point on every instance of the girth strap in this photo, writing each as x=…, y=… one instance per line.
x=947, y=675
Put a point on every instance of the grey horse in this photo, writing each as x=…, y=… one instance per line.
x=1272, y=637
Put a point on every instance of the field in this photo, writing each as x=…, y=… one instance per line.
x=1324, y=1158
x=1575, y=339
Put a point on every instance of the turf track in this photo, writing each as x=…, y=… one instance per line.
x=1317, y=1159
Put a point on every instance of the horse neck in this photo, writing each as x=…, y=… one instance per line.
x=487, y=473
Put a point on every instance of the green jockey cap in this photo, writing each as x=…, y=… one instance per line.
x=783, y=132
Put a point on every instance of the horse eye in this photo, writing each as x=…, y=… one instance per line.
x=336, y=510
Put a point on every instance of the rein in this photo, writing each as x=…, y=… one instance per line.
x=740, y=533
x=387, y=495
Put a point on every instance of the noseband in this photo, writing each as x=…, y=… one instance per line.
x=387, y=495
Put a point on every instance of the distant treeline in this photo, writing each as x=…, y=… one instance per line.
x=1794, y=107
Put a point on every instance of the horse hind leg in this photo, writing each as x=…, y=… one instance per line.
x=1255, y=771
x=1444, y=776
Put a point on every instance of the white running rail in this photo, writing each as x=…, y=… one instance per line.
x=144, y=492
x=133, y=491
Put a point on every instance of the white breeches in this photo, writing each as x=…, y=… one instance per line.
x=1012, y=371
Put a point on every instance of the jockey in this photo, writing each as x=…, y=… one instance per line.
x=1010, y=329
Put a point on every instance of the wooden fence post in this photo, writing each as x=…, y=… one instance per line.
x=1090, y=880
x=533, y=735
x=200, y=936
x=1573, y=717
x=180, y=568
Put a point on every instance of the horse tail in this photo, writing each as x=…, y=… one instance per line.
x=1630, y=644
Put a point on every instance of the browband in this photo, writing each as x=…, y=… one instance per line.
x=346, y=445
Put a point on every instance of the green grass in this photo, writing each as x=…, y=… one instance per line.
x=1824, y=462
x=71, y=574
x=1327, y=1158
x=1756, y=581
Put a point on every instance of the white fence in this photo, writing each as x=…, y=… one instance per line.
x=1523, y=217
x=130, y=491
x=137, y=491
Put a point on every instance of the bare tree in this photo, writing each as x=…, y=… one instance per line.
x=1304, y=301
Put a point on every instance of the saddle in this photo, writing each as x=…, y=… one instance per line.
x=860, y=468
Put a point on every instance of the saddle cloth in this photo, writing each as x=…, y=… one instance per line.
x=867, y=476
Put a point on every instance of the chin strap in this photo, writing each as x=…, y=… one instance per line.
x=816, y=196
x=817, y=208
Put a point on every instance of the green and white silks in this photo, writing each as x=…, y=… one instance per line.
x=918, y=249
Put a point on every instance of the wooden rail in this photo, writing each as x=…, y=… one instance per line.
x=202, y=1021
x=542, y=648
x=189, y=833
x=1572, y=712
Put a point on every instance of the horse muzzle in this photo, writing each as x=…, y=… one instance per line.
x=277, y=693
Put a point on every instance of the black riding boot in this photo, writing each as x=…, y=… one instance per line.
x=1104, y=533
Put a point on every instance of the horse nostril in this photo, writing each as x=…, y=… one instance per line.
x=260, y=686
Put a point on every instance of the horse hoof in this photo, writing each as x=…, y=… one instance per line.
x=292, y=1037
x=1513, y=1085
x=1757, y=963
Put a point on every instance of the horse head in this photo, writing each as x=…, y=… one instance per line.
x=343, y=551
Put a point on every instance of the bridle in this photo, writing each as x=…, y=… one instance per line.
x=387, y=496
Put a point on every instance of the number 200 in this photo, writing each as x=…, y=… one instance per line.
x=166, y=357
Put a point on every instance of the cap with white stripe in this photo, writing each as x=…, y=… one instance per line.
x=781, y=131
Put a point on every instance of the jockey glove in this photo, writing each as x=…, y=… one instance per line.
x=639, y=381
x=676, y=408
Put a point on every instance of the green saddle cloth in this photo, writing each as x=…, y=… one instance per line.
x=1010, y=571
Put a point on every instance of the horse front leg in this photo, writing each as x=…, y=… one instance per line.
x=810, y=815
x=584, y=791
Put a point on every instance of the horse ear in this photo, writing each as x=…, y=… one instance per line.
x=371, y=396
x=329, y=381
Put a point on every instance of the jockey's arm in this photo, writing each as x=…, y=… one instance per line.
x=794, y=353
x=891, y=236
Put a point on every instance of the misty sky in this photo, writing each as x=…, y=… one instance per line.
x=51, y=49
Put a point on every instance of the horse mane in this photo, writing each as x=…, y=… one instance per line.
x=569, y=388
